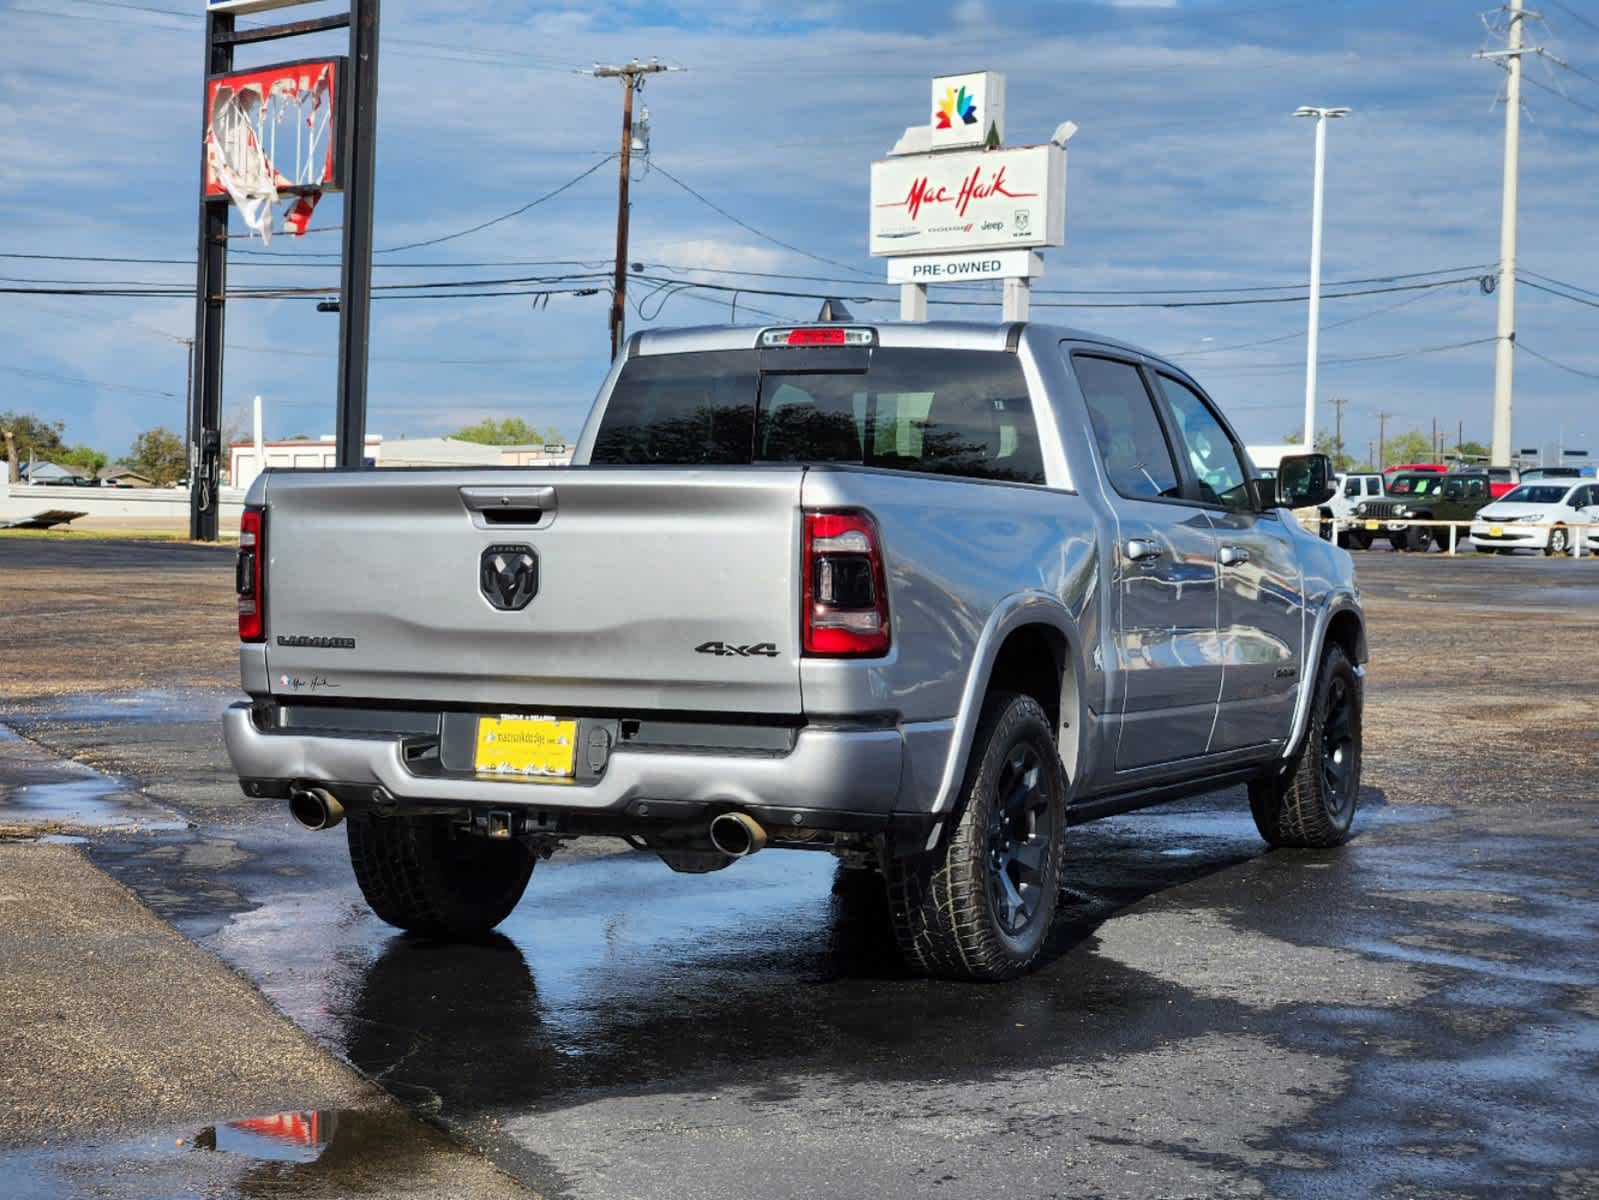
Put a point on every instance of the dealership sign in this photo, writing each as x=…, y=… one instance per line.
x=961, y=268
x=981, y=200
x=968, y=111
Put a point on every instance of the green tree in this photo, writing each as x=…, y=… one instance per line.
x=1472, y=451
x=86, y=459
x=34, y=438
x=512, y=431
x=158, y=455
x=1325, y=444
x=1414, y=446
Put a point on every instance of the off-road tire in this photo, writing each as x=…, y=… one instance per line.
x=1418, y=538
x=428, y=877
x=946, y=919
x=1360, y=539
x=1563, y=535
x=1303, y=806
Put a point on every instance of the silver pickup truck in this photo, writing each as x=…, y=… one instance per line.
x=921, y=596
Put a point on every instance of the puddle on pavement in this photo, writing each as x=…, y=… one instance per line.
x=177, y=705
x=87, y=800
x=286, y=1154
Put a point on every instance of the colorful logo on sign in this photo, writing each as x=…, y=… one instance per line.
x=955, y=104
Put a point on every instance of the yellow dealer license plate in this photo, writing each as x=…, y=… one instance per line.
x=527, y=746
x=1371, y=524
x=1496, y=531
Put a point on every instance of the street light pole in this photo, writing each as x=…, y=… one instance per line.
x=1322, y=116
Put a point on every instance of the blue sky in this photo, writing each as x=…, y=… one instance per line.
x=1188, y=173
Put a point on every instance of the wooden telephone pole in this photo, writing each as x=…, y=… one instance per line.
x=632, y=76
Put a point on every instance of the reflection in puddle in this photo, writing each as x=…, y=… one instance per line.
x=85, y=801
x=299, y=1137
x=331, y=1153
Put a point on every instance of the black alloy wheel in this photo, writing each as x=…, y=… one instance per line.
x=1338, y=751
x=1019, y=840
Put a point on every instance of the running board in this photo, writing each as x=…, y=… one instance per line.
x=1095, y=807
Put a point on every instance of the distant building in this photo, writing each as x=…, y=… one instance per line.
x=47, y=472
x=397, y=452
x=125, y=477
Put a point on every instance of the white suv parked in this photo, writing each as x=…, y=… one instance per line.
x=1352, y=489
x=1537, y=516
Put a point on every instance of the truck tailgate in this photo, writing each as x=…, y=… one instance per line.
x=657, y=588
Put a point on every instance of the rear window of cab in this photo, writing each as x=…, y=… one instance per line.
x=949, y=412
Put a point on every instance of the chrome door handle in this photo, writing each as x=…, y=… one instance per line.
x=1231, y=556
x=1141, y=548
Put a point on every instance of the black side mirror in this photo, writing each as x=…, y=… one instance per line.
x=1304, y=480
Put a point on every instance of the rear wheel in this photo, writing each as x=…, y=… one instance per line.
x=1312, y=803
x=981, y=905
x=426, y=875
x=1559, y=542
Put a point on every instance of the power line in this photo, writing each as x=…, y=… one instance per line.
x=29, y=373
x=745, y=225
x=1522, y=346
x=1563, y=295
x=1556, y=92
x=1574, y=14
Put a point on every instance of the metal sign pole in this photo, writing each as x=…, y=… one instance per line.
x=205, y=400
x=355, y=291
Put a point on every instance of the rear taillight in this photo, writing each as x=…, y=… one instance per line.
x=846, y=591
x=249, y=575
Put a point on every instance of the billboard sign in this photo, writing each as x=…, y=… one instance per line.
x=249, y=6
x=966, y=110
x=980, y=200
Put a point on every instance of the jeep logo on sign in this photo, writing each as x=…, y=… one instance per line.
x=509, y=576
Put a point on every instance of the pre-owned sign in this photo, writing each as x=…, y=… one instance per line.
x=955, y=268
x=984, y=200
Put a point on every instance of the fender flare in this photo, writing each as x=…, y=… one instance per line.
x=1011, y=614
x=1337, y=602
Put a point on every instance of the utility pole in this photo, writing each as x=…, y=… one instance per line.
x=1460, y=436
x=1505, y=333
x=1382, y=439
x=1322, y=116
x=1435, y=454
x=1371, y=454
x=1338, y=403
x=632, y=76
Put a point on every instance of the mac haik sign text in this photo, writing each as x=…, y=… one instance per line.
x=981, y=200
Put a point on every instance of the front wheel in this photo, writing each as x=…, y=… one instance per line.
x=426, y=875
x=1312, y=802
x=1360, y=539
x=981, y=905
x=1418, y=538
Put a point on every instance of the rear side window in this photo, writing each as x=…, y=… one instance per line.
x=955, y=412
x=1131, y=443
x=680, y=409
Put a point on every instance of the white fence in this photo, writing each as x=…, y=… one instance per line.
x=1449, y=534
x=160, y=505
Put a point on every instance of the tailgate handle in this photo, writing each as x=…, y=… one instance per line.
x=510, y=507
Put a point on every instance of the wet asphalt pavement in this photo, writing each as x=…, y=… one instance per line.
x=1415, y=1015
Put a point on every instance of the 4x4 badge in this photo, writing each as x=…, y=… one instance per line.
x=728, y=650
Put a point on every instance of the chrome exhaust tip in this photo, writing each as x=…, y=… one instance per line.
x=736, y=834
x=315, y=808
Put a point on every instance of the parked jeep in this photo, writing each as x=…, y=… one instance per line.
x=1424, y=496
